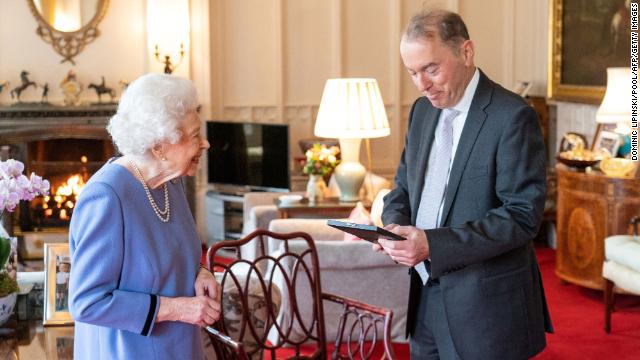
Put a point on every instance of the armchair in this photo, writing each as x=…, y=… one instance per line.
x=621, y=268
x=294, y=272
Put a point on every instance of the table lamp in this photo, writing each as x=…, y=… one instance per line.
x=351, y=109
x=616, y=105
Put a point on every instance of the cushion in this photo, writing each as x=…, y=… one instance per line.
x=624, y=277
x=359, y=215
x=372, y=186
x=232, y=308
x=624, y=250
x=376, y=207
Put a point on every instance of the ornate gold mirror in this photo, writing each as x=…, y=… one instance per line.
x=68, y=25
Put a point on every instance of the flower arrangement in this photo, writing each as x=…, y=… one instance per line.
x=321, y=160
x=14, y=186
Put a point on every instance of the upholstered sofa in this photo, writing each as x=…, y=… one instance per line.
x=353, y=269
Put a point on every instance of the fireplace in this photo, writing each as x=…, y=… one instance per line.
x=67, y=164
x=63, y=145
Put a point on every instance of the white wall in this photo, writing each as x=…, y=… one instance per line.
x=119, y=53
x=267, y=60
x=511, y=40
x=270, y=58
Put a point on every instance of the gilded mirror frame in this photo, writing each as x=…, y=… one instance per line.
x=71, y=43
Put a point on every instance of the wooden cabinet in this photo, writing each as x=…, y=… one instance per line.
x=591, y=206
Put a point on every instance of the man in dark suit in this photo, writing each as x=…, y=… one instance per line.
x=469, y=198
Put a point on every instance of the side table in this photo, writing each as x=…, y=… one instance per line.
x=591, y=206
x=28, y=339
x=328, y=207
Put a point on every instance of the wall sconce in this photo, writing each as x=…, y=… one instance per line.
x=168, y=31
x=168, y=66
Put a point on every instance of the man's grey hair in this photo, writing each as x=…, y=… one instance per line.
x=429, y=24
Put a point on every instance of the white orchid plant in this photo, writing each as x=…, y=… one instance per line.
x=14, y=186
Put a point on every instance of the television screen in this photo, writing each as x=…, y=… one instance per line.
x=246, y=154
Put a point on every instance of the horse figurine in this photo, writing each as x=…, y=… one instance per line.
x=24, y=77
x=45, y=93
x=103, y=89
x=3, y=85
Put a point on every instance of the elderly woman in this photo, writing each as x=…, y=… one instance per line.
x=136, y=288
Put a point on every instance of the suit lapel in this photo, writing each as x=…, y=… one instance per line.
x=428, y=129
x=472, y=126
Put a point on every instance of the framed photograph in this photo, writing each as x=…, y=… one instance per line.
x=57, y=267
x=608, y=140
x=59, y=340
x=572, y=141
x=586, y=38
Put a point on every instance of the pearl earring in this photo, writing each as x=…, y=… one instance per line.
x=163, y=158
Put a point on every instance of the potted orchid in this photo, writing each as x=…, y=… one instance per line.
x=14, y=186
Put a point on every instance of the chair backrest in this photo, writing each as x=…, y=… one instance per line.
x=242, y=277
x=274, y=303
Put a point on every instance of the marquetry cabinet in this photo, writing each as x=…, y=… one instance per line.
x=591, y=206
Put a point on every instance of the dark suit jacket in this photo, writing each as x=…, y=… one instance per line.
x=482, y=254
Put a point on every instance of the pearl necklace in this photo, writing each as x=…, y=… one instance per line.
x=163, y=215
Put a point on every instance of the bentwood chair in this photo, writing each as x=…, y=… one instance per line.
x=260, y=307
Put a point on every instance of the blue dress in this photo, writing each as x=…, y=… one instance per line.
x=123, y=259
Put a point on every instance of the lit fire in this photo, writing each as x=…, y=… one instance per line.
x=62, y=202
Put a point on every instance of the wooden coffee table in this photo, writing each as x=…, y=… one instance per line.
x=328, y=207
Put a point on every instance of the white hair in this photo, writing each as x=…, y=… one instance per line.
x=150, y=111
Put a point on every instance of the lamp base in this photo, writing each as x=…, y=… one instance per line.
x=350, y=177
x=350, y=173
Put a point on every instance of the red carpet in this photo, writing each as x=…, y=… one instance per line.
x=578, y=318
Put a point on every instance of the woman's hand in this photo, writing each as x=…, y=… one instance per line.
x=206, y=285
x=199, y=310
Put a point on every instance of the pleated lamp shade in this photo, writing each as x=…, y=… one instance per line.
x=351, y=108
x=616, y=105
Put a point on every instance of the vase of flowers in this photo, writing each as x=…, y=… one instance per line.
x=14, y=187
x=320, y=162
x=316, y=188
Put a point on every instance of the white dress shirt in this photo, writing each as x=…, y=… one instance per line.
x=458, y=124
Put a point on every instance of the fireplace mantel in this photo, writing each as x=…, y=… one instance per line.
x=28, y=122
x=49, y=140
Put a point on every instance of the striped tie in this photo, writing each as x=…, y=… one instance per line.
x=435, y=184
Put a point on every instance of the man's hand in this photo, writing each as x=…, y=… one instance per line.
x=206, y=285
x=413, y=250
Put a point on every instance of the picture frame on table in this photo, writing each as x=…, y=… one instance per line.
x=57, y=267
x=608, y=140
x=522, y=88
x=586, y=38
x=59, y=342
